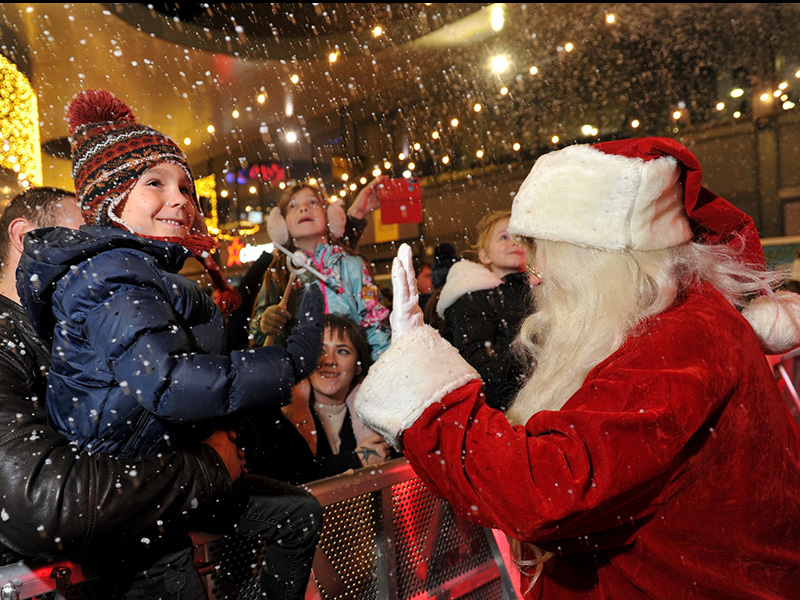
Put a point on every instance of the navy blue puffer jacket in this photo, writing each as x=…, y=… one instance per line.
x=136, y=347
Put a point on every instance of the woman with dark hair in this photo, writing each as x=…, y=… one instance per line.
x=318, y=434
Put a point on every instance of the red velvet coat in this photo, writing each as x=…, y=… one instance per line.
x=674, y=472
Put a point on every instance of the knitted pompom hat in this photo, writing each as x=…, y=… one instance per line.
x=111, y=151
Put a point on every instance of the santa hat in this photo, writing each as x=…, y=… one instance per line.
x=644, y=194
x=110, y=152
x=278, y=230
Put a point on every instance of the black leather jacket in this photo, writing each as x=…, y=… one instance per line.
x=57, y=501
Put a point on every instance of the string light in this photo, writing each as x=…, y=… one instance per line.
x=435, y=135
x=19, y=124
x=377, y=31
x=387, y=165
x=503, y=91
x=635, y=124
x=569, y=47
x=210, y=129
x=516, y=146
x=376, y=172
x=454, y=122
x=187, y=141
x=533, y=70
x=235, y=114
x=294, y=78
x=332, y=57
x=610, y=18
x=445, y=160
x=262, y=98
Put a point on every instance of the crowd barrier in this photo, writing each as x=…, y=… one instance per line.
x=384, y=537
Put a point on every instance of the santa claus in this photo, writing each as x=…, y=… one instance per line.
x=649, y=454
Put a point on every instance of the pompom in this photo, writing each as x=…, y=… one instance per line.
x=277, y=228
x=97, y=106
x=337, y=218
x=776, y=321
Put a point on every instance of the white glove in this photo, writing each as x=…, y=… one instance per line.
x=406, y=313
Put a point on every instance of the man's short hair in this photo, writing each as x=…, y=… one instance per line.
x=41, y=206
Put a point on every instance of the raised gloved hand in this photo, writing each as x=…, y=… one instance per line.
x=305, y=342
x=406, y=313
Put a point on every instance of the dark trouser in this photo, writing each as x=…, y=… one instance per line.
x=285, y=517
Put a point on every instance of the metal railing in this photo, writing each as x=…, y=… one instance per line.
x=385, y=536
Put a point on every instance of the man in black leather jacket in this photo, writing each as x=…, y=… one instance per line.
x=57, y=501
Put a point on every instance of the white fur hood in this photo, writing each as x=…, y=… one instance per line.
x=465, y=277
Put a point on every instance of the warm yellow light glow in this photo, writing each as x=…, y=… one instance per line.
x=401, y=156
x=343, y=193
x=635, y=124
x=737, y=114
x=294, y=78
x=262, y=98
x=417, y=146
x=503, y=91
x=345, y=176
x=291, y=137
x=210, y=129
x=737, y=93
x=235, y=114
x=332, y=199
x=19, y=123
x=412, y=166
x=594, y=131
x=610, y=18
x=363, y=180
x=435, y=135
x=445, y=160
x=479, y=154
x=676, y=114
x=407, y=174
x=533, y=70
x=783, y=85
x=282, y=185
x=377, y=31
x=516, y=146
x=720, y=106
x=788, y=105
x=387, y=165
x=353, y=187
x=497, y=18
x=586, y=129
x=454, y=122
x=312, y=181
x=764, y=97
x=555, y=139
x=206, y=187
x=776, y=93
x=376, y=171
x=253, y=189
x=187, y=141
x=569, y=47
x=500, y=63
x=477, y=107
x=332, y=57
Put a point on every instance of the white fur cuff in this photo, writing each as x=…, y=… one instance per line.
x=776, y=321
x=416, y=371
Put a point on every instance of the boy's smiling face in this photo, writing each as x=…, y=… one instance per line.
x=161, y=204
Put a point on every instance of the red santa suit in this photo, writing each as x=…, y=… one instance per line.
x=673, y=472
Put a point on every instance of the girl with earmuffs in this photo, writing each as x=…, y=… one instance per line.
x=304, y=221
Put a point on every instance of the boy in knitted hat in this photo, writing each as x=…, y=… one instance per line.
x=649, y=454
x=137, y=349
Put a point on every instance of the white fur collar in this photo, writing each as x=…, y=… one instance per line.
x=465, y=277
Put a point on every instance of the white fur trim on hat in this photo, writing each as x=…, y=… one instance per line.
x=277, y=228
x=337, y=218
x=417, y=370
x=586, y=197
x=776, y=321
x=465, y=277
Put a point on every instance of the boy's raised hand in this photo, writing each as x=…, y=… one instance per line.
x=305, y=342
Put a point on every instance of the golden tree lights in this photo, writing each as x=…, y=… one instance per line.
x=207, y=188
x=20, y=146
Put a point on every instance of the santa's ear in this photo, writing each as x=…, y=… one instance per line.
x=776, y=321
x=17, y=230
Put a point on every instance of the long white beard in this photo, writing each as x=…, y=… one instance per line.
x=577, y=325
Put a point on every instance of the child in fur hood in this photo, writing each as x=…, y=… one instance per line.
x=484, y=304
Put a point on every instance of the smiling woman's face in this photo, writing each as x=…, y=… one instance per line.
x=336, y=369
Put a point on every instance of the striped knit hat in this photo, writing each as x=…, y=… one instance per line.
x=110, y=152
